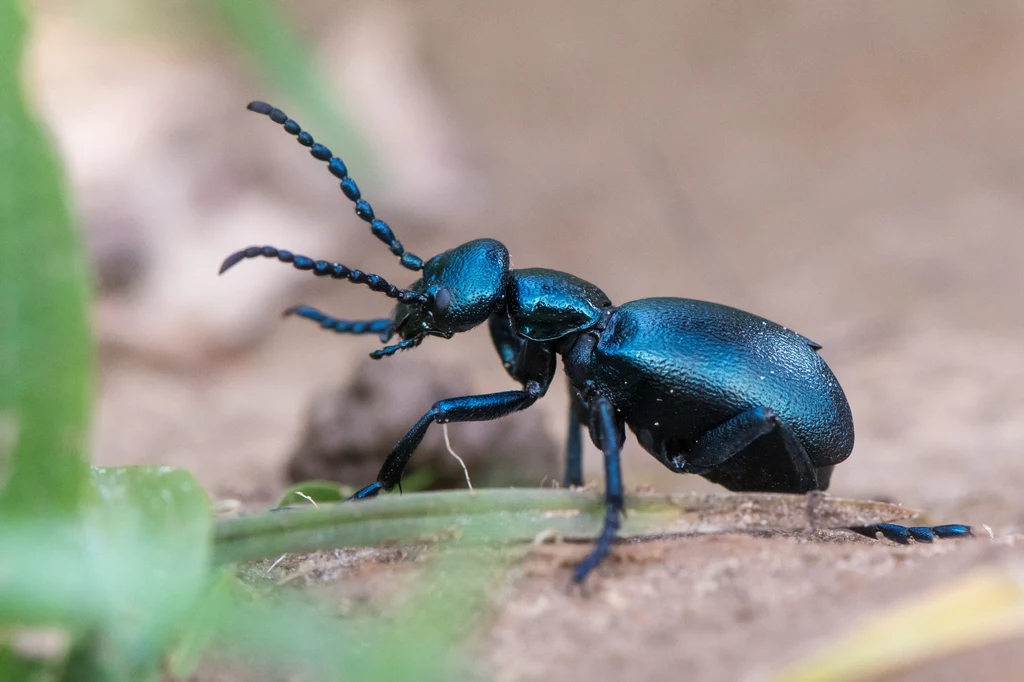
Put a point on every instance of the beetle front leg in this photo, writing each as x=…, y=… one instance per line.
x=474, y=408
x=605, y=428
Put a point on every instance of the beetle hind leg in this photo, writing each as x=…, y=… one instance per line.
x=786, y=468
x=903, y=534
x=781, y=464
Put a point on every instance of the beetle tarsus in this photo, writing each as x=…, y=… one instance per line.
x=904, y=534
x=366, y=493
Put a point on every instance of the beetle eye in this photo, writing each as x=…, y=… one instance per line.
x=442, y=299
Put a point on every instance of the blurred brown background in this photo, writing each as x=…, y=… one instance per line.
x=850, y=170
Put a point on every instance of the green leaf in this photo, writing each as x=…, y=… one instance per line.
x=45, y=347
x=124, y=578
x=15, y=665
x=157, y=523
x=317, y=491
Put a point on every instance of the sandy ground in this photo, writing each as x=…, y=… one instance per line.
x=719, y=607
x=851, y=171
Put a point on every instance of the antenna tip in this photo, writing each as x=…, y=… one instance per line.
x=231, y=261
x=260, y=107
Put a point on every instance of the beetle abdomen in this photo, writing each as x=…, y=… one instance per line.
x=678, y=367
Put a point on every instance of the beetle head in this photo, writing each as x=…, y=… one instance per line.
x=463, y=287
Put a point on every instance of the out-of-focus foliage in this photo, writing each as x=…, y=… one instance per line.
x=264, y=32
x=107, y=576
x=267, y=36
x=970, y=611
x=45, y=347
x=121, y=579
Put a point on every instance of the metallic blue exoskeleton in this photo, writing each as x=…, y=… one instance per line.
x=706, y=389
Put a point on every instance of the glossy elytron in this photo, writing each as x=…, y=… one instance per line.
x=706, y=389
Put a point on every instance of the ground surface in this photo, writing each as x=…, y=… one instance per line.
x=851, y=171
x=723, y=607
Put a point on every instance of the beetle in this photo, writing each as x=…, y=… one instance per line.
x=706, y=389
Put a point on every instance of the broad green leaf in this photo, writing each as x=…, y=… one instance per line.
x=124, y=578
x=15, y=665
x=157, y=522
x=45, y=348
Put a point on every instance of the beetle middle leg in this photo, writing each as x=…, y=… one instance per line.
x=574, y=442
x=606, y=429
x=474, y=408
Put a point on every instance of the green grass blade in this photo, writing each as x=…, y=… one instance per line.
x=506, y=515
x=45, y=347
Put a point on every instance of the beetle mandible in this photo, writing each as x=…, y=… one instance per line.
x=706, y=389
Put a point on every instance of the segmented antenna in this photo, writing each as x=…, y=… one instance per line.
x=322, y=268
x=382, y=327
x=338, y=169
x=402, y=345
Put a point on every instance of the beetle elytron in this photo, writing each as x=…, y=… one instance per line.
x=706, y=389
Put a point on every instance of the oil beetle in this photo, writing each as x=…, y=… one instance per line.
x=707, y=389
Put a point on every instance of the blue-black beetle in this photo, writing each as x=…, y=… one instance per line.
x=707, y=389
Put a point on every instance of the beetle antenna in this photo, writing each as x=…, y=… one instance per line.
x=388, y=351
x=322, y=268
x=380, y=229
x=382, y=327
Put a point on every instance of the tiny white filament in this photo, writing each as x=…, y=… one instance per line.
x=281, y=558
x=304, y=495
x=448, y=444
x=274, y=565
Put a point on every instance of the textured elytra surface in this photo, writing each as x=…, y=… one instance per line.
x=681, y=367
